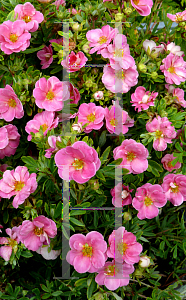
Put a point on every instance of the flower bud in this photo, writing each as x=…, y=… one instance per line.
x=142, y=68
x=181, y=24
x=127, y=216
x=77, y=27
x=154, y=75
x=86, y=48
x=98, y=296
x=128, y=11
x=138, y=273
x=60, y=53
x=144, y=261
x=94, y=184
x=98, y=95
x=118, y=17
x=77, y=127
x=89, y=83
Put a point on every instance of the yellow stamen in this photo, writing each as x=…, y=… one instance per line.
x=130, y=156
x=171, y=70
x=13, y=38
x=12, y=103
x=122, y=247
x=44, y=126
x=102, y=39
x=120, y=74
x=136, y=2
x=174, y=188
x=111, y=270
x=18, y=185
x=159, y=134
x=38, y=231
x=50, y=95
x=26, y=19
x=78, y=164
x=87, y=250
x=113, y=122
x=148, y=201
x=91, y=117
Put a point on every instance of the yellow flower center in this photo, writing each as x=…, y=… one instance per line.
x=159, y=134
x=113, y=122
x=120, y=74
x=122, y=247
x=12, y=103
x=136, y=2
x=13, y=244
x=111, y=270
x=171, y=70
x=174, y=188
x=179, y=18
x=44, y=127
x=18, y=185
x=87, y=250
x=78, y=164
x=130, y=156
x=148, y=201
x=169, y=164
x=27, y=19
x=50, y=95
x=38, y=231
x=119, y=53
x=102, y=39
x=91, y=117
x=13, y=38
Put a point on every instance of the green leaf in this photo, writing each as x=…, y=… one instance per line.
x=31, y=163
x=16, y=292
x=5, y=216
x=44, y=288
x=57, y=293
x=155, y=165
x=105, y=154
x=4, y=68
x=46, y=296
x=56, y=70
x=100, y=175
x=32, y=50
x=178, y=147
x=80, y=283
x=91, y=287
x=58, y=210
x=10, y=16
x=116, y=296
x=76, y=222
x=175, y=252
x=26, y=254
x=102, y=139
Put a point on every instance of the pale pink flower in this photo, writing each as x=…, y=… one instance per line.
x=29, y=15
x=57, y=41
x=74, y=93
x=142, y=99
x=10, y=106
x=100, y=38
x=78, y=162
x=166, y=161
x=144, y=261
x=46, y=56
x=50, y=94
x=143, y=7
x=53, y=254
x=57, y=3
x=174, y=69
x=176, y=50
x=18, y=183
x=119, y=81
x=178, y=95
x=73, y=11
x=14, y=37
x=148, y=199
x=119, y=53
x=88, y=253
x=10, y=243
x=178, y=17
x=91, y=114
x=98, y=95
x=9, y=140
x=63, y=116
x=114, y=275
x=134, y=156
x=74, y=62
x=45, y=120
x=174, y=187
x=151, y=48
x=33, y=234
x=77, y=127
x=121, y=195
x=162, y=131
x=123, y=246
x=52, y=139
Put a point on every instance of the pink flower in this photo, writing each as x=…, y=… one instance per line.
x=50, y=94
x=3, y=169
x=73, y=11
x=10, y=243
x=19, y=183
x=1, y=226
x=53, y=254
x=57, y=41
x=176, y=50
x=98, y=95
x=119, y=81
x=78, y=162
x=9, y=140
x=178, y=17
x=162, y=131
x=134, y=156
x=142, y=7
x=174, y=69
x=33, y=234
x=123, y=246
x=45, y=120
x=112, y=273
x=121, y=195
x=74, y=93
x=74, y=62
x=178, y=95
x=46, y=56
x=91, y=114
x=142, y=99
x=100, y=38
x=119, y=53
x=14, y=37
x=148, y=199
x=144, y=261
x=166, y=161
x=88, y=253
x=117, y=120
x=57, y=3
x=77, y=127
x=52, y=139
x=174, y=187
x=10, y=106
x=150, y=47
x=29, y=15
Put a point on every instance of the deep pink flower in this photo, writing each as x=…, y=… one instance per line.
x=134, y=156
x=45, y=120
x=46, y=56
x=166, y=161
x=10, y=243
x=9, y=140
x=91, y=114
x=162, y=131
x=74, y=93
x=100, y=38
x=57, y=3
x=50, y=94
x=10, y=106
x=148, y=199
x=88, y=253
x=178, y=95
x=1, y=226
x=3, y=169
x=78, y=162
x=52, y=139
x=33, y=234
x=121, y=195
x=57, y=41
x=14, y=37
x=174, y=69
x=119, y=81
x=19, y=183
x=174, y=187
x=123, y=246
x=112, y=273
x=74, y=62
x=178, y=17
x=143, y=7
x=142, y=99
x=29, y=15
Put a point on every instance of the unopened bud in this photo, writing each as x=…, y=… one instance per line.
x=98, y=296
x=77, y=127
x=181, y=24
x=77, y=27
x=89, y=83
x=154, y=75
x=119, y=17
x=127, y=216
x=142, y=68
x=128, y=11
x=138, y=273
x=144, y=261
x=98, y=95
x=86, y=48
